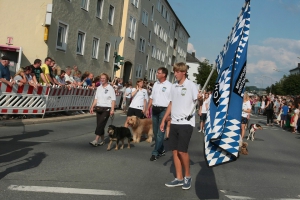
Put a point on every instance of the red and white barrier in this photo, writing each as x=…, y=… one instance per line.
x=66, y=99
x=22, y=99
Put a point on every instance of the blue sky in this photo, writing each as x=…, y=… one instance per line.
x=274, y=40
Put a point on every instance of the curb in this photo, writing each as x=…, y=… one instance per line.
x=22, y=122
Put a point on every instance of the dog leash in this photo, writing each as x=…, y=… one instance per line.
x=112, y=119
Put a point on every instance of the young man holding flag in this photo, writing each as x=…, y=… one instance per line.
x=183, y=97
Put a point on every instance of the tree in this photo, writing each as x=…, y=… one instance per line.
x=204, y=70
x=291, y=84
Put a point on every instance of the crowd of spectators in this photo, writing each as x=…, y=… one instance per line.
x=280, y=110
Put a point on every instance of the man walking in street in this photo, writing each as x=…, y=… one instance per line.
x=159, y=100
x=183, y=97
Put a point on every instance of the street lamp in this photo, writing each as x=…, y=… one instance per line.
x=279, y=71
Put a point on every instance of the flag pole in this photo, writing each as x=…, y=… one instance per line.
x=203, y=88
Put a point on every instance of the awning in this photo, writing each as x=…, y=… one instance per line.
x=9, y=48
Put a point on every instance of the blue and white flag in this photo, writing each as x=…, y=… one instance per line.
x=223, y=123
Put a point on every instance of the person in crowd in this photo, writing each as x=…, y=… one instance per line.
x=20, y=78
x=127, y=95
x=69, y=78
x=77, y=78
x=105, y=99
x=37, y=71
x=263, y=105
x=138, y=104
x=96, y=82
x=203, y=112
x=257, y=105
x=31, y=80
x=52, y=68
x=89, y=80
x=61, y=77
x=159, y=101
x=45, y=68
x=294, y=118
x=246, y=110
x=74, y=70
x=84, y=78
x=269, y=111
x=4, y=71
x=183, y=97
x=284, y=114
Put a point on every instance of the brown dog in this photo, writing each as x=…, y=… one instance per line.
x=244, y=149
x=140, y=126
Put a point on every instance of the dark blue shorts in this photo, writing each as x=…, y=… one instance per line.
x=283, y=117
x=244, y=120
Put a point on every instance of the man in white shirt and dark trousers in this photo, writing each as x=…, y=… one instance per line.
x=183, y=97
x=159, y=100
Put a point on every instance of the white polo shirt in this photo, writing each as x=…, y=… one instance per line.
x=105, y=95
x=138, y=99
x=161, y=93
x=205, y=104
x=246, y=106
x=69, y=78
x=183, y=98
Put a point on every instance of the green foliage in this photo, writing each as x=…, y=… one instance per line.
x=204, y=70
x=288, y=85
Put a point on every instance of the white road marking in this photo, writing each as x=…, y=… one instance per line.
x=237, y=197
x=64, y=190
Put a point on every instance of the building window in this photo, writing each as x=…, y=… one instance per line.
x=80, y=42
x=145, y=18
x=107, y=52
x=85, y=4
x=147, y=62
x=95, y=47
x=168, y=16
x=61, y=41
x=138, y=71
x=142, y=45
x=158, y=5
x=111, y=14
x=135, y=3
x=149, y=37
x=132, y=26
x=152, y=13
x=153, y=52
x=99, y=9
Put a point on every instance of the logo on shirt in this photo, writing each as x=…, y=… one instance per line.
x=105, y=91
x=164, y=89
x=183, y=91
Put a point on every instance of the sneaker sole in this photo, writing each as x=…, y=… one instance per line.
x=93, y=144
x=186, y=188
x=174, y=185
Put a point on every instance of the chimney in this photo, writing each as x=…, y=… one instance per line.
x=193, y=54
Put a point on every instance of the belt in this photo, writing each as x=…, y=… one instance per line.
x=159, y=106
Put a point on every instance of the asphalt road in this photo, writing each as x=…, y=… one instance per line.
x=55, y=161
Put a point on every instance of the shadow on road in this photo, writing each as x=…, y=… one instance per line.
x=13, y=149
x=30, y=162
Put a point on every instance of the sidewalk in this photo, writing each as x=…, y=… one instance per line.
x=47, y=119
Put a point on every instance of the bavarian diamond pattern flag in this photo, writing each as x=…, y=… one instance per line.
x=222, y=127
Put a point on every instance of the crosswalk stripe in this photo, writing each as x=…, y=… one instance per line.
x=65, y=190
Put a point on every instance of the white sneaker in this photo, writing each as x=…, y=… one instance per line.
x=199, y=131
x=94, y=143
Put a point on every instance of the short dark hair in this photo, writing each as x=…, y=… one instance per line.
x=62, y=72
x=164, y=71
x=47, y=58
x=37, y=61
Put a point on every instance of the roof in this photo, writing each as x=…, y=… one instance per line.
x=296, y=68
x=190, y=57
